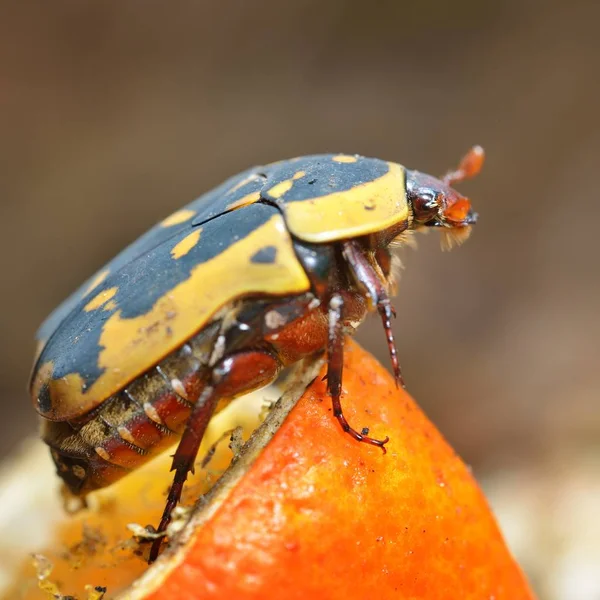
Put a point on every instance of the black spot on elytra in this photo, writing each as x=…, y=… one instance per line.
x=44, y=401
x=266, y=255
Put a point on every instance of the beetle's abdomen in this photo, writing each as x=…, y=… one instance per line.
x=134, y=425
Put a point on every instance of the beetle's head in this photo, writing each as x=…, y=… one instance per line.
x=435, y=203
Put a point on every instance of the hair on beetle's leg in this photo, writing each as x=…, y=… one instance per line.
x=335, y=364
x=184, y=457
x=367, y=277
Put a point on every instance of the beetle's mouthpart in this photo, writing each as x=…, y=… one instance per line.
x=457, y=211
x=472, y=218
x=454, y=236
x=455, y=224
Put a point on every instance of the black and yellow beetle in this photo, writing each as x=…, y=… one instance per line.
x=273, y=266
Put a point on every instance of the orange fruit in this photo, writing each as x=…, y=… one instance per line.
x=314, y=514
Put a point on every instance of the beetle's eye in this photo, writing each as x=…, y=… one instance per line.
x=426, y=206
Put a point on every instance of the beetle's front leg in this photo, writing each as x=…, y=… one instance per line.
x=335, y=362
x=367, y=277
x=233, y=376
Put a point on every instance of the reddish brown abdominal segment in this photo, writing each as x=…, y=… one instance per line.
x=135, y=424
x=141, y=434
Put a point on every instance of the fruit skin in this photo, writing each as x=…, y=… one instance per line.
x=319, y=515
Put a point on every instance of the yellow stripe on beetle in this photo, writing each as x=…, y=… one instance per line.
x=344, y=158
x=103, y=297
x=248, y=199
x=129, y=345
x=365, y=208
x=186, y=244
x=98, y=279
x=181, y=216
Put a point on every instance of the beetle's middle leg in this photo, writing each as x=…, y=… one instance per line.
x=233, y=376
x=368, y=277
x=335, y=363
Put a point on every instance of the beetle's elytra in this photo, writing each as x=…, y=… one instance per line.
x=273, y=266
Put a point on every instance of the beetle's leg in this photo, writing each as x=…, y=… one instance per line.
x=371, y=281
x=184, y=457
x=233, y=376
x=335, y=364
x=469, y=166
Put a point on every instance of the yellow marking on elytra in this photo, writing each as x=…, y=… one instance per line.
x=281, y=188
x=181, y=216
x=42, y=376
x=248, y=199
x=365, y=208
x=243, y=182
x=344, y=158
x=130, y=345
x=98, y=279
x=103, y=297
x=110, y=305
x=186, y=244
x=61, y=392
x=299, y=175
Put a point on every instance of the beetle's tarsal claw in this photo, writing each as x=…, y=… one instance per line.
x=358, y=436
x=399, y=381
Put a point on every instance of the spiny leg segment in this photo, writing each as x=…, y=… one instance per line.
x=335, y=363
x=235, y=375
x=375, y=288
x=184, y=457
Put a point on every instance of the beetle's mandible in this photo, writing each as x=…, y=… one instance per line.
x=273, y=266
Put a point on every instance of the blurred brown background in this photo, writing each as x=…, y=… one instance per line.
x=113, y=114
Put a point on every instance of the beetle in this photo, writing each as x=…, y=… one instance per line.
x=275, y=265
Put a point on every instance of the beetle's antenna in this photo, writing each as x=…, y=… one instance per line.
x=469, y=166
